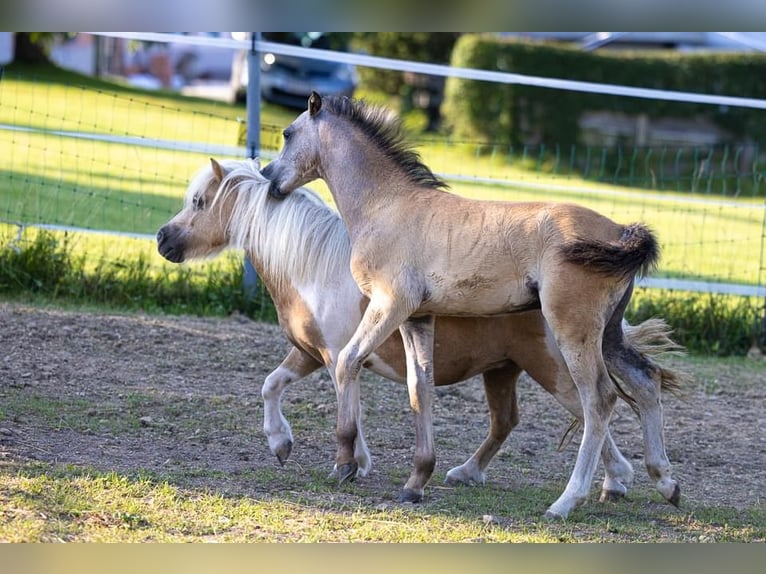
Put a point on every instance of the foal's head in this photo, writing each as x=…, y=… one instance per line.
x=300, y=160
x=201, y=228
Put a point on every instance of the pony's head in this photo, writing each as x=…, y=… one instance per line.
x=298, y=162
x=202, y=228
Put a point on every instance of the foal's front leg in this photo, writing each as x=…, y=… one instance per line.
x=418, y=339
x=380, y=319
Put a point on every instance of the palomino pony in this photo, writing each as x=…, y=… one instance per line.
x=419, y=251
x=302, y=253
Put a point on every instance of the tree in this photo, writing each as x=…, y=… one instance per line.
x=417, y=90
x=32, y=47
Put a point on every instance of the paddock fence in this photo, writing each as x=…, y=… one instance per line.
x=110, y=166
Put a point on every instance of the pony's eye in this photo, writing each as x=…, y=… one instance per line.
x=286, y=134
x=198, y=203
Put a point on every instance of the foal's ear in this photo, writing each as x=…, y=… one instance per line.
x=218, y=169
x=315, y=103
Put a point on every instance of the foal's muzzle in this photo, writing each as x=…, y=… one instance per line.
x=275, y=191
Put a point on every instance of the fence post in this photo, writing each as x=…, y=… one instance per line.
x=253, y=104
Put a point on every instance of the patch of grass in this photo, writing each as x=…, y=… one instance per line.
x=43, y=503
x=705, y=323
x=50, y=266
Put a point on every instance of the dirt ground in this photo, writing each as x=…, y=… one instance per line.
x=180, y=397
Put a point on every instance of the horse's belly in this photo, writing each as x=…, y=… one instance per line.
x=480, y=303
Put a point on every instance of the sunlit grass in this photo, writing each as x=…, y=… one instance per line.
x=99, y=185
x=47, y=503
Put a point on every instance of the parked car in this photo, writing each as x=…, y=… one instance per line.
x=289, y=80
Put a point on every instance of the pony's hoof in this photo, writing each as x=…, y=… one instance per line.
x=409, y=495
x=553, y=516
x=611, y=496
x=347, y=472
x=675, y=498
x=283, y=452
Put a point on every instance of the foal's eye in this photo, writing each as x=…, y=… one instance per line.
x=286, y=134
x=198, y=203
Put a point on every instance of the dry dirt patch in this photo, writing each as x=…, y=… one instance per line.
x=180, y=397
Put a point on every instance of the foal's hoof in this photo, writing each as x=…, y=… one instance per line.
x=675, y=498
x=611, y=496
x=409, y=495
x=283, y=452
x=347, y=472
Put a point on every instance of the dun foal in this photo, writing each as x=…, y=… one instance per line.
x=419, y=251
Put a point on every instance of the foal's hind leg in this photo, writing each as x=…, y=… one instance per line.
x=294, y=367
x=500, y=390
x=618, y=471
x=578, y=327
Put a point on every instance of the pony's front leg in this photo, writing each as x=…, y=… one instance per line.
x=294, y=367
x=418, y=338
x=380, y=319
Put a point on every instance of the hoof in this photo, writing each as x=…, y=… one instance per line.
x=675, y=498
x=347, y=472
x=455, y=481
x=409, y=495
x=283, y=452
x=553, y=516
x=463, y=479
x=611, y=496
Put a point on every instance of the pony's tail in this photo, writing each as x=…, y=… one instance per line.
x=636, y=252
x=652, y=339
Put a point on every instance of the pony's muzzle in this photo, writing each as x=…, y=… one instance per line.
x=169, y=246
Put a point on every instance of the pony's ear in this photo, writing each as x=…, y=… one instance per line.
x=315, y=103
x=218, y=169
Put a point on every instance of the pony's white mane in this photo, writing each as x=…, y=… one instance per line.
x=295, y=240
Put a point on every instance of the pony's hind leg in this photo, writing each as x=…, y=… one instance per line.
x=500, y=390
x=294, y=367
x=578, y=327
x=598, y=398
x=618, y=471
x=643, y=381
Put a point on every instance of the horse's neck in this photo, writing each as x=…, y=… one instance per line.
x=295, y=243
x=360, y=178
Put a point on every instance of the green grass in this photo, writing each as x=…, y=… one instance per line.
x=45, y=178
x=48, y=503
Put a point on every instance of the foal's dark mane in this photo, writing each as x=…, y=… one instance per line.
x=386, y=132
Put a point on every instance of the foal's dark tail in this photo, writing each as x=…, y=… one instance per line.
x=636, y=252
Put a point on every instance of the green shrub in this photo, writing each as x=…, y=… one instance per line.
x=517, y=115
x=705, y=323
x=44, y=266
